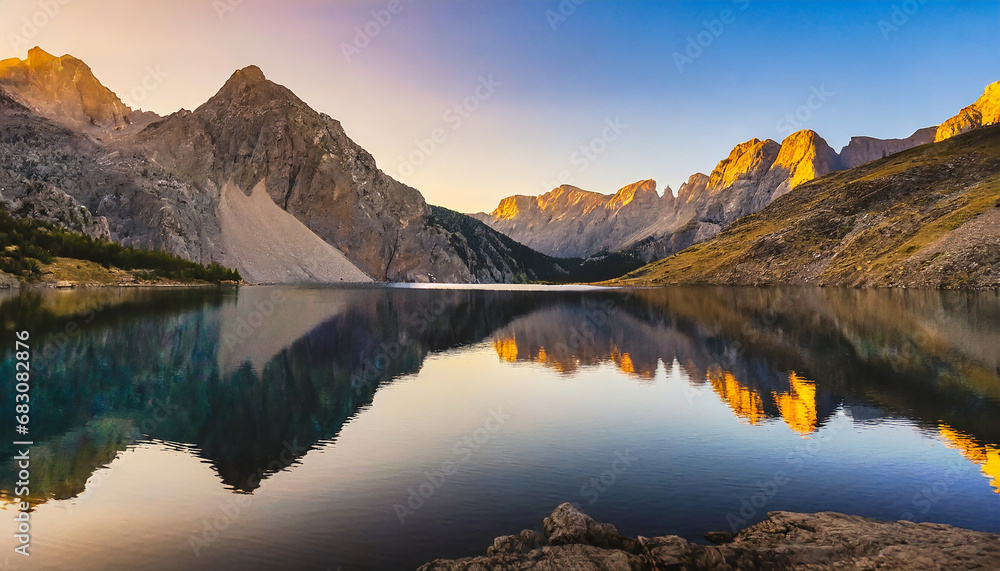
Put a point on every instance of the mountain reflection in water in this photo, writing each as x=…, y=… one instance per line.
x=252, y=381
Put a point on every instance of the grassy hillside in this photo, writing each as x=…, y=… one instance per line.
x=926, y=217
x=33, y=250
x=492, y=254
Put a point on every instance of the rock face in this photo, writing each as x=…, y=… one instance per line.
x=984, y=112
x=804, y=156
x=747, y=161
x=755, y=173
x=254, y=130
x=866, y=149
x=65, y=90
x=785, y=540
x=571, y=222
x=693, y=191
x=51, y=172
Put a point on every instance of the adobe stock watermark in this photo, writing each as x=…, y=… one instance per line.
x=365, y=33
x=589, y=152
x=154, y=78
x=463, y=450
x=899, y=17
x=794, y=121
x=454, y=118
x=562, y=13
x=592, y=490
x=697, y=44
x=31, y=25
x=224, y=7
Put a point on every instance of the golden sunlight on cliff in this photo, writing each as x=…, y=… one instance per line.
x=806, y=156
x=627, y=194
x=985, y=111
x=987, y=457
x=747, y=159
x=798, y=406
x=506, y=349
x=507, y=209
x=745, y=403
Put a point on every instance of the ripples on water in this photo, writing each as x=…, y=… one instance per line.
x=298, y=428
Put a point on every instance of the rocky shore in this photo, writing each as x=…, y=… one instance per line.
x=572, y=540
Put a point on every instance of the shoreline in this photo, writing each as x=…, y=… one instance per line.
x=9, y=282
x=784, y=540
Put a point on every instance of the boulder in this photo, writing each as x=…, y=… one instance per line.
x=785, y=540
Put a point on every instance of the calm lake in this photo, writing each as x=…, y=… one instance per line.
x=380, y=428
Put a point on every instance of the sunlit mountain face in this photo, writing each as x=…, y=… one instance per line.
x=335, y=402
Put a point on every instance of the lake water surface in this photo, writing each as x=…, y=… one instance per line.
x=380, y=428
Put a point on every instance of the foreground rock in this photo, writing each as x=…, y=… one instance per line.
x=826, y=540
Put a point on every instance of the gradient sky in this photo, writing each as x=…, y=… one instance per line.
x=559, y=80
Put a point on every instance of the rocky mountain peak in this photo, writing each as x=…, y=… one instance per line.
x=509, y=207
x=249, y=88
x=805, y=156
x=748, y=160
x=693, y=189
x=566, y=196
x=250, y=74
x=643, y=191
x=64, y=89
x=37, y=56
x=984, y=112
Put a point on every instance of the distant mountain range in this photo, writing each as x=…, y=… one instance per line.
x=569, y=221
x=256, y=180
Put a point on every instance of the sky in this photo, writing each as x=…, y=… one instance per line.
x=472, y=101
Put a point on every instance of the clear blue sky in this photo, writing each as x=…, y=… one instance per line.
x=554, y=83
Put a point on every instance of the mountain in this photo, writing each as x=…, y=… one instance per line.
x=571, y=222
x=984, y=112
x=253, y=179
x=755, y=173
x=494, y=257
x=568, y=220
x=926, y=217
x=865, y=149
x=257, y=180
x=254, y=131
x=65, y=90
